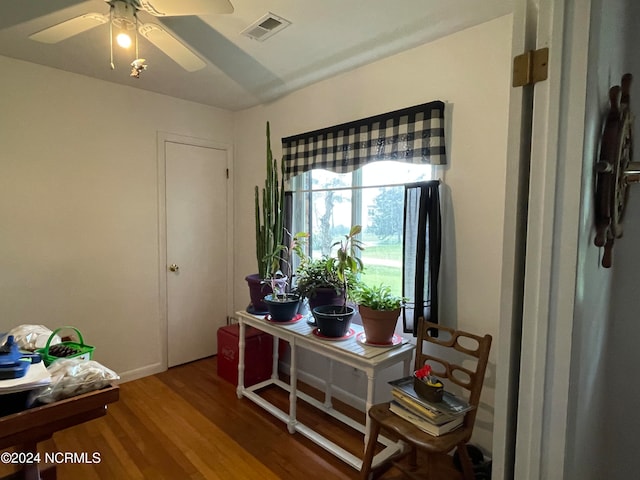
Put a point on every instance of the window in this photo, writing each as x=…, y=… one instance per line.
x=327, y=204
x=360, y=173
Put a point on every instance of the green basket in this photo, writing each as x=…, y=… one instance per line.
x=82, y=350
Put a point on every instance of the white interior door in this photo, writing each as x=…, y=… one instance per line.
x=197, y=250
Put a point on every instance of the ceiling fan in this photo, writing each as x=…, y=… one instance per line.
x=123, y=19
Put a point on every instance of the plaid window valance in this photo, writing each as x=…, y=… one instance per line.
x=412, y=135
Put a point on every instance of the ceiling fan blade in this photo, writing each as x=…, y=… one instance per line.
x=172, y=47
x=171, y=8
x=68, y=29
x=226, y=56
x=27, y=10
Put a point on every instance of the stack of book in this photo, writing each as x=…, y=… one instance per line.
x=433, y=418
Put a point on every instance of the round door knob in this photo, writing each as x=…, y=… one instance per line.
x=173, y=267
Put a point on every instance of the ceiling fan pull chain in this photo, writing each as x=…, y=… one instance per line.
x=136, y=17
x=111, y=36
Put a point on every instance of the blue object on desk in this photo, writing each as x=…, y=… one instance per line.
x=13, y=362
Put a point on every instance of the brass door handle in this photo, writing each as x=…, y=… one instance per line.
x=173, y=267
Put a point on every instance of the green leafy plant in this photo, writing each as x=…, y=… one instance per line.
x=339, y=272
x=269, y=217
x=346, y=263
x=279, y=280
x=377, y=297
x=312, y=274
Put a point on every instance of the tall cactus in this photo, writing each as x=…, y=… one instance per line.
x=269, y=222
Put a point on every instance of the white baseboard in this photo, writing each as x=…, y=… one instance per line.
x=336, y=392
x=141, y=372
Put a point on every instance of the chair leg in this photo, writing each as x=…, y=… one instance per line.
x=466, y=463
x=365, y=471
x=413, y=457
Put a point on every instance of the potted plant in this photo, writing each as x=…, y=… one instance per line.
x=281, y=304
x=317, y=281
x=379, y=309
x=269, y=231
x=334, y=320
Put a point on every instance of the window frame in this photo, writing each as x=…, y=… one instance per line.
x=301, y=186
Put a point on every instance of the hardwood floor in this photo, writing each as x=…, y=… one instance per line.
x=187, y=423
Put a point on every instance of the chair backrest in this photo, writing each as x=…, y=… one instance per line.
x=472, y=351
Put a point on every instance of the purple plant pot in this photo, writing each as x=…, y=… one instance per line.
x=257, y=291
x=325, y=296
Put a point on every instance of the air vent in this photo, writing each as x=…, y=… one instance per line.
x=265, y=27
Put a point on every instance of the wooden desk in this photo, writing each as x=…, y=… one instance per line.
x=370, y=360
x=25, y=429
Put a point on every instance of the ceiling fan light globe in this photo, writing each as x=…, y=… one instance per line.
x=123, y=40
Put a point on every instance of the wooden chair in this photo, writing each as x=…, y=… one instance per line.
x=456, y=346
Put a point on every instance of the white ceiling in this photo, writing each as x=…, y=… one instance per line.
x=326, y=37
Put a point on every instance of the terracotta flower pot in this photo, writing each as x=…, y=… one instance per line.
x=379, y=325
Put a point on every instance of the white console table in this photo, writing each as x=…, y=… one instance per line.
x=368, y=359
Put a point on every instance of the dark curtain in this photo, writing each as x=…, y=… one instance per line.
x=410, y=135
x=421, y=253
x=287, y=225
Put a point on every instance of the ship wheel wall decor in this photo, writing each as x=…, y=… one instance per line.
x=615, y=170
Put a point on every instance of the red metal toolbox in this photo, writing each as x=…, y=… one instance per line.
x=257, y=357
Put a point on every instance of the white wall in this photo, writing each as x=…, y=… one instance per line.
x=78, y=190
x=601, y=434
x=470, y=71
x=619, y=430
x=79, y=206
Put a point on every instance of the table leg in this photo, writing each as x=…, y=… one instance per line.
x=274, y=366
x=49, y=473
x=407, y=365
x=371, y=391
x=29, y=471
x=241, y=348
x=293, y=390
x=328, y=386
